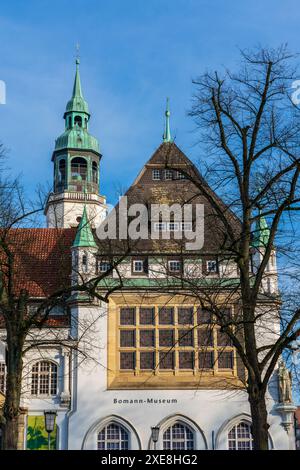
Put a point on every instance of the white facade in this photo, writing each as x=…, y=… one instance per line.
x=209, y=414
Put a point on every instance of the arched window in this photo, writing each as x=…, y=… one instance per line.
x=62, y=171
x=79, y=168
x=113, y=437
x=78, y=121
x=178, y=437
x=95, y=172
x=44, y=378
x=239, y=437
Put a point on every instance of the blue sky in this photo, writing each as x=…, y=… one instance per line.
x=133, y=54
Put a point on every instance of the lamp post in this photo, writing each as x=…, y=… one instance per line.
x=154, y=435
x=50, y=417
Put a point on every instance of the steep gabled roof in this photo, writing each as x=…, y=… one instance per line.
x=145, y=190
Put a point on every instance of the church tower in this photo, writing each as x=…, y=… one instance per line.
x=76, y=159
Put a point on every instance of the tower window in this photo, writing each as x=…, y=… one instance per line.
x=95, y=172
x=78, y=121
x=79, y=169
x=62, y=171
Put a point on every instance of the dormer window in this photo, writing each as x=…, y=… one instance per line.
x=156, y=175
x=212, y=266
x=168, y=175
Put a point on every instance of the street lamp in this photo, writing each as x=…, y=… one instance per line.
x=154, y=435
x=50, y=417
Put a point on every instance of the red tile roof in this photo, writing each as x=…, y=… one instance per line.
x=42, y=259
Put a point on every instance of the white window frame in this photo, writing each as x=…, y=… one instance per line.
x=159, y=226
x=237, y=439
x=141, y=263
x=186, y=226
x=103, y=263
x=39, y=373
x=173, y=226
x=172, y=262
x=156, y=176
x=114, y=441
x=168, y=175
x=173, y=439
x=209, y=264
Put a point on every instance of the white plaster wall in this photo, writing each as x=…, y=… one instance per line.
x=92, y=404
x=64, y=213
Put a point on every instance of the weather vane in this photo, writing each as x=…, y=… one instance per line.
x=77, y=52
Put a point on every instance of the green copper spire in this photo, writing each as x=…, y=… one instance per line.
x=77, y=117
x=84, y=236
x=167, y=132
x=77, y=103
x=261, y=232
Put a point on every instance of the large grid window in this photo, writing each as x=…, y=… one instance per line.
x=178, y=437
x=113, y=437
x=240, y=438
x=179, y=339
x=2, y=377
x=44, y=378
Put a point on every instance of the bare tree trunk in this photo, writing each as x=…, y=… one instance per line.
x=13, y=393
x=259, y=416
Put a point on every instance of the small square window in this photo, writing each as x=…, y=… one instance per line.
x=211, y=266
x=147, y=360
x=139, y=266
x=127, y=338
x=166, y=338
x=159, y=227
x=186, y=226
x=223, y=339
x=166, y=316
x=185, y=338
x=203, y=316
x=174, y=266
x=168, y=175
x=225, y=360
x=205, y=337
x=127, y=316
x=173, y=226
x=146, y=315
x=186, y=360
x=166, y=360
x=127, y=360
x=103, y=266
x=156, y=175
x=147, y=338
x=185, y=315
x=206, y=360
